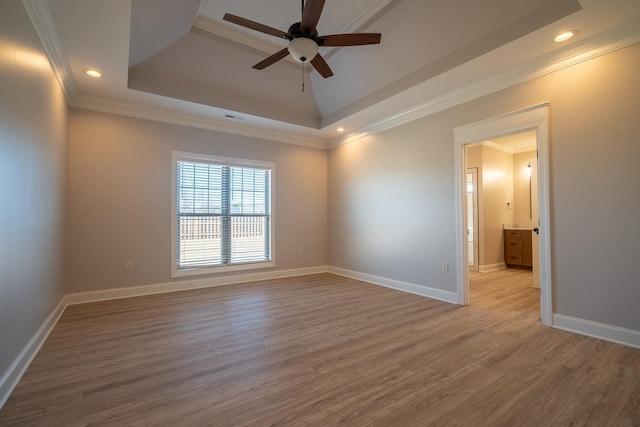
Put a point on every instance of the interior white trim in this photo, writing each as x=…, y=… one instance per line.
x=412, y=288
x=40, y=15
x=602, y=331
x=593, y=47
x=231, y=36
x=507, y=149
x=11, y=377
x=499, y=147
x=365, y=17
x=363, y=20
x=183, y=285
x=234, y=34
x=532, y=118
x=462, y=243
x=167, y=115
x=603, y=43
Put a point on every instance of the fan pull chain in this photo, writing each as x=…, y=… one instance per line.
x=303, y=78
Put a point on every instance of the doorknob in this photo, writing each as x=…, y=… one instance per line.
x=536, y=230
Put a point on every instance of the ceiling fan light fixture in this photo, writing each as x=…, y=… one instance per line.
x=304, y=40
x=303, y=49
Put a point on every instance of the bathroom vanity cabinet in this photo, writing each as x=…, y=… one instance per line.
x=517, y=247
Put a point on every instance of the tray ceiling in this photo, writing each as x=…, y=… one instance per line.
x=180, y=57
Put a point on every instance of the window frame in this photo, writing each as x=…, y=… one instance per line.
x=177, y=156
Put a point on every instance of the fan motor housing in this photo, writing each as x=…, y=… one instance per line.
x=296, y=32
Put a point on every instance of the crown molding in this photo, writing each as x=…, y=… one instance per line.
x=601, y=44
x=235, y=35
x=509, y=150
x=166, y=115
x=366, y=17
x=598, y=45
x=42, y=21
x=498, y=147
x=221, y=33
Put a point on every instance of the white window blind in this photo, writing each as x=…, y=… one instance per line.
x=223, y=214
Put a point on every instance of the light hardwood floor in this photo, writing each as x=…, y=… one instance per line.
x=325, y=350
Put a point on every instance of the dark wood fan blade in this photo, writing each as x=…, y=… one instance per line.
x=321, y=66
x=357, y=39
x=272, y=59
x=311, y=16
x=255, y=26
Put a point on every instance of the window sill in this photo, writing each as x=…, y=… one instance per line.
x=175, y=272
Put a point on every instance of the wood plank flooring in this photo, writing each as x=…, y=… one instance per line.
x=325, y=350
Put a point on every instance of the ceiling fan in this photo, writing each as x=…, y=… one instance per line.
x=304, y=40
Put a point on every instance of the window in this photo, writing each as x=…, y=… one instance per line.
x=222, y=217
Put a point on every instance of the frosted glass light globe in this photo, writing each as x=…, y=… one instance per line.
x=303, y=49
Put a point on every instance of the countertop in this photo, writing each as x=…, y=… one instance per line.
x=516, y=227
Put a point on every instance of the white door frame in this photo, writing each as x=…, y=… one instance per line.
x=533, y=118
x=476, y=219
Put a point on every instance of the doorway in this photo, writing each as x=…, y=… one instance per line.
x=473, y=231
x=531, y=119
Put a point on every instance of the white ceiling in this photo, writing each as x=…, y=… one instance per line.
x=178, y=61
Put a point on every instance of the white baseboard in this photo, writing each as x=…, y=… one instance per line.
x=603, y=331
x=492, y=267
x=425, y=291
x=12, y=376
x=183, y=285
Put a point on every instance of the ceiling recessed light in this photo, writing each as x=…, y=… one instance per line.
x=563, y=37
x=340, y=129
x=92, y=73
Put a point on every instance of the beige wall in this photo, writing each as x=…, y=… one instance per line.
x=119, y=204
x=382, y=205
x=391, y=195
x=391, y=205
x=33, y=135
x=495, y=190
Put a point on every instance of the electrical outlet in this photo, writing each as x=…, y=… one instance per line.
x=445, y=267
x=299, y=252
x=350, y=253
x=128, y=264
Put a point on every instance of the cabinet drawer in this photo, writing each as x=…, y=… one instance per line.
x=514, y=258
x=513, y=244
x=512, y=233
